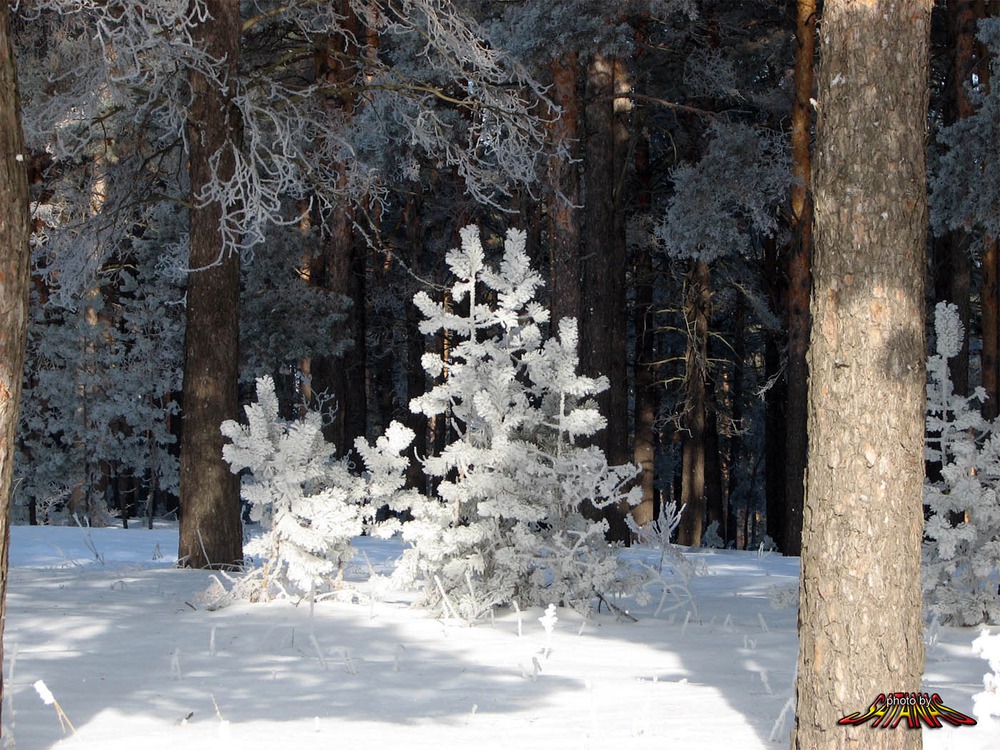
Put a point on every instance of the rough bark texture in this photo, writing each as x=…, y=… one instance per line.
x=860, y=628
x=799, y=279
x=210, y=530
x=14, y=281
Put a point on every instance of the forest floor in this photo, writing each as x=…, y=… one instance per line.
x=133, y=658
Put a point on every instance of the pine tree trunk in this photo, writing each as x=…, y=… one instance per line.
x=736, y=457
x=210, y=529
x=860, y=614
x=647, y=403
x=954, y=267
x=14, y=282
x=989, y=295
x=989, y=292
x=603, y=345
x=564, y=200
x=416, y=377
x=696, y=314
x=346, y=376
x=799, y=280
x=344, y=258
x=715, y=507
x=775, y=402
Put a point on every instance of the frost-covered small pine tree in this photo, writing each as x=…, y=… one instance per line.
x=961, y=569
x=309, y=504
x=506, y=525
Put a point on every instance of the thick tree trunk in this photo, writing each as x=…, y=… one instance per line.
x=799, y=280
x=210, y=531
x=696, y=314
x=603, y=339
x=863, y=519
x=14, y=282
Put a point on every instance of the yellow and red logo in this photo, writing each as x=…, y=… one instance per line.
x=889, y=709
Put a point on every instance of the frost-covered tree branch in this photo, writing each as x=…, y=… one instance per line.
x=107, y=88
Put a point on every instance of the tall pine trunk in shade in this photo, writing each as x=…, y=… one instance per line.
x=416, y=377
x=646, y=389
x=343, y=258
x=860, y=611
x=953, y=267
x=14, y=282
x=989, y=292
x=736, y=457
x=564, y=198
x=603, y=338
x=799, y=278
x=694, y=428
x=775, y=403
x=989, y=295
x=715, y=503
x=210, y=531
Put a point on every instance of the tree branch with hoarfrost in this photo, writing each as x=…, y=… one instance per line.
x=107, y=99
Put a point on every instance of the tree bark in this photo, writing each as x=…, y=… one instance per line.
x=210, y=530
x=696, y=314
x=344, y=258
x=603, y=344
x=647, y=389
x=989, y=295
x=799, y=279
x=564, y=199
x=989, y=292
x=346, y=377
x=954, y=266
x=15, y=258
x=863, y=518
x=736, y=452
x=715, y=506
x=775, y=403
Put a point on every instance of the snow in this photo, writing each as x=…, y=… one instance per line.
x=134, y=659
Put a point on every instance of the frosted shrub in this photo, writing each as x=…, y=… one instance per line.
x=309, y=504
x=961, y=568
x=506, y=523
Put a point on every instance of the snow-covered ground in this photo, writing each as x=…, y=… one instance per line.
x=135, y=660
